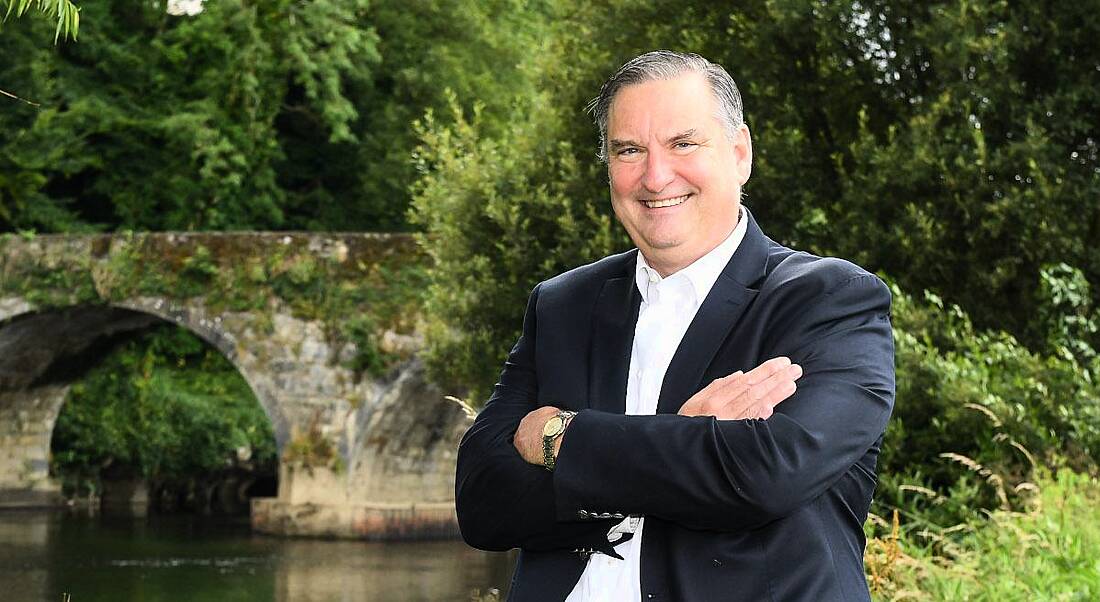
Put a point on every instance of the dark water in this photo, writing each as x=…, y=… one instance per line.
x=45, y=555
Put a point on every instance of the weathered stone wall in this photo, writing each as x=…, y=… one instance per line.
x=399, y=481
x=288, y=329
x=26, y=421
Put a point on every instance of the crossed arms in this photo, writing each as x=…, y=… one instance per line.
x=698, y=471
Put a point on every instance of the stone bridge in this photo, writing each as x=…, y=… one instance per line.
x=321, y=326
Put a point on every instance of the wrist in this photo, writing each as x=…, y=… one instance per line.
x=552, y=433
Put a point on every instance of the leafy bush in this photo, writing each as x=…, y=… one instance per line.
x=976, y=413
x=499, y=214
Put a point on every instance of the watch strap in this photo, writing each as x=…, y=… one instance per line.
x=548, y=459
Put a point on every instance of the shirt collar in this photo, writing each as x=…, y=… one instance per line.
x=703, y=272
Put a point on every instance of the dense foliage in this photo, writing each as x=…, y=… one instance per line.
x=165, y=407
x=947, y=143
x=270, y=115
x=976, y=413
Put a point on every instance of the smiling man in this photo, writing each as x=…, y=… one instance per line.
x=695, y=419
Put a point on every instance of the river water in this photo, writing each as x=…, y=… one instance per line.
x=45, y=555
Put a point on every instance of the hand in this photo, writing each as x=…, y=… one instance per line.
x=752, y=395
x=528, y=439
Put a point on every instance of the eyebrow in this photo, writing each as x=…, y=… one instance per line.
x=685, y=135
x=618, y=144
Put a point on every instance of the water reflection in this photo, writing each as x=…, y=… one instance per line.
x=43, y=555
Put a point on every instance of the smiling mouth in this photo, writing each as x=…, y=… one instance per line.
x=659, y=203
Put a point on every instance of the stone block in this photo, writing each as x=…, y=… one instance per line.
x=301, y=485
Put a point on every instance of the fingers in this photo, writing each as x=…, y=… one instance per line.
x=735, y=385
x=710, y=397
x=746, y=395
x=777, y=386
x=768, y=369
x=761, y=411
x=760, y=379
x=773, y=396
x=760, y=390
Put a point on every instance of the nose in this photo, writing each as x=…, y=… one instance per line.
x=658, y=171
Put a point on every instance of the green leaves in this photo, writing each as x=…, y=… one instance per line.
x=500, y=214
x=66, y=13
x=165, y=406
x=158, y=121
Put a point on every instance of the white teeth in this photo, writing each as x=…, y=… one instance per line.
x=666, y=202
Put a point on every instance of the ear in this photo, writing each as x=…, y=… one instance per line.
x=742, y=154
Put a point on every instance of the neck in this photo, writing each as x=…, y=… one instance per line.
x=667, y=266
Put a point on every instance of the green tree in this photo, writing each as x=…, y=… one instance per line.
x=170, y=122
x=505, y=202
x=274, y=115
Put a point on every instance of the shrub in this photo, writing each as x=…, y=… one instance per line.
x=976, y=413
x=499, y=214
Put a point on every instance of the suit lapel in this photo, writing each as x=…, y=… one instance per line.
x=614, y=318
x=716, y=319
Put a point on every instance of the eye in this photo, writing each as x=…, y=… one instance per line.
x=629, y=154
x=683, y=144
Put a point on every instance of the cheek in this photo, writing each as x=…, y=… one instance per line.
x=697, y=174
x=623, y=179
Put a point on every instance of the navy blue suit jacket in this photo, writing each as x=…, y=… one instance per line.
x=735, y=510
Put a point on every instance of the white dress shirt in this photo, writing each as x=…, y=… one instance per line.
x=668, y=306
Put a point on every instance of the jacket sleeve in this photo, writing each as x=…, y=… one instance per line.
x=728, y=475
x=502, y=501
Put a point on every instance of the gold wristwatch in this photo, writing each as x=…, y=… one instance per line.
x=553, y=429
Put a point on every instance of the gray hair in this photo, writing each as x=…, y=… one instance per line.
x=662, y=65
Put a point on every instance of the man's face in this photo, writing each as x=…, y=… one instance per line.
x=675, y=173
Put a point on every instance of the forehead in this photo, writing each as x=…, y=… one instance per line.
x=663, y=106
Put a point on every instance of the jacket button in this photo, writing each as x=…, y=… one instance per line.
x=582, y=513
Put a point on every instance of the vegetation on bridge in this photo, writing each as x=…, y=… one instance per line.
x=331, y=279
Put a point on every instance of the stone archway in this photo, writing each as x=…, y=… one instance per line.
x=41, y=355
x=298, y=314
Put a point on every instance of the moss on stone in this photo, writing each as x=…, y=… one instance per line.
x=358, y=286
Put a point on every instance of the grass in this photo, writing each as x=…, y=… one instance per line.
x=1051, y=551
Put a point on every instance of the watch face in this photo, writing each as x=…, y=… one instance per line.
x=553, y=426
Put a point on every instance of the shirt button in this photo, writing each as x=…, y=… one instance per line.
x=653, y=277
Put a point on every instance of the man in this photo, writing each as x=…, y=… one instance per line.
x=648, y=439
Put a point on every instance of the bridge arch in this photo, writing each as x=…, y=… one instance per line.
x=322, y=327
x=42, y=352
